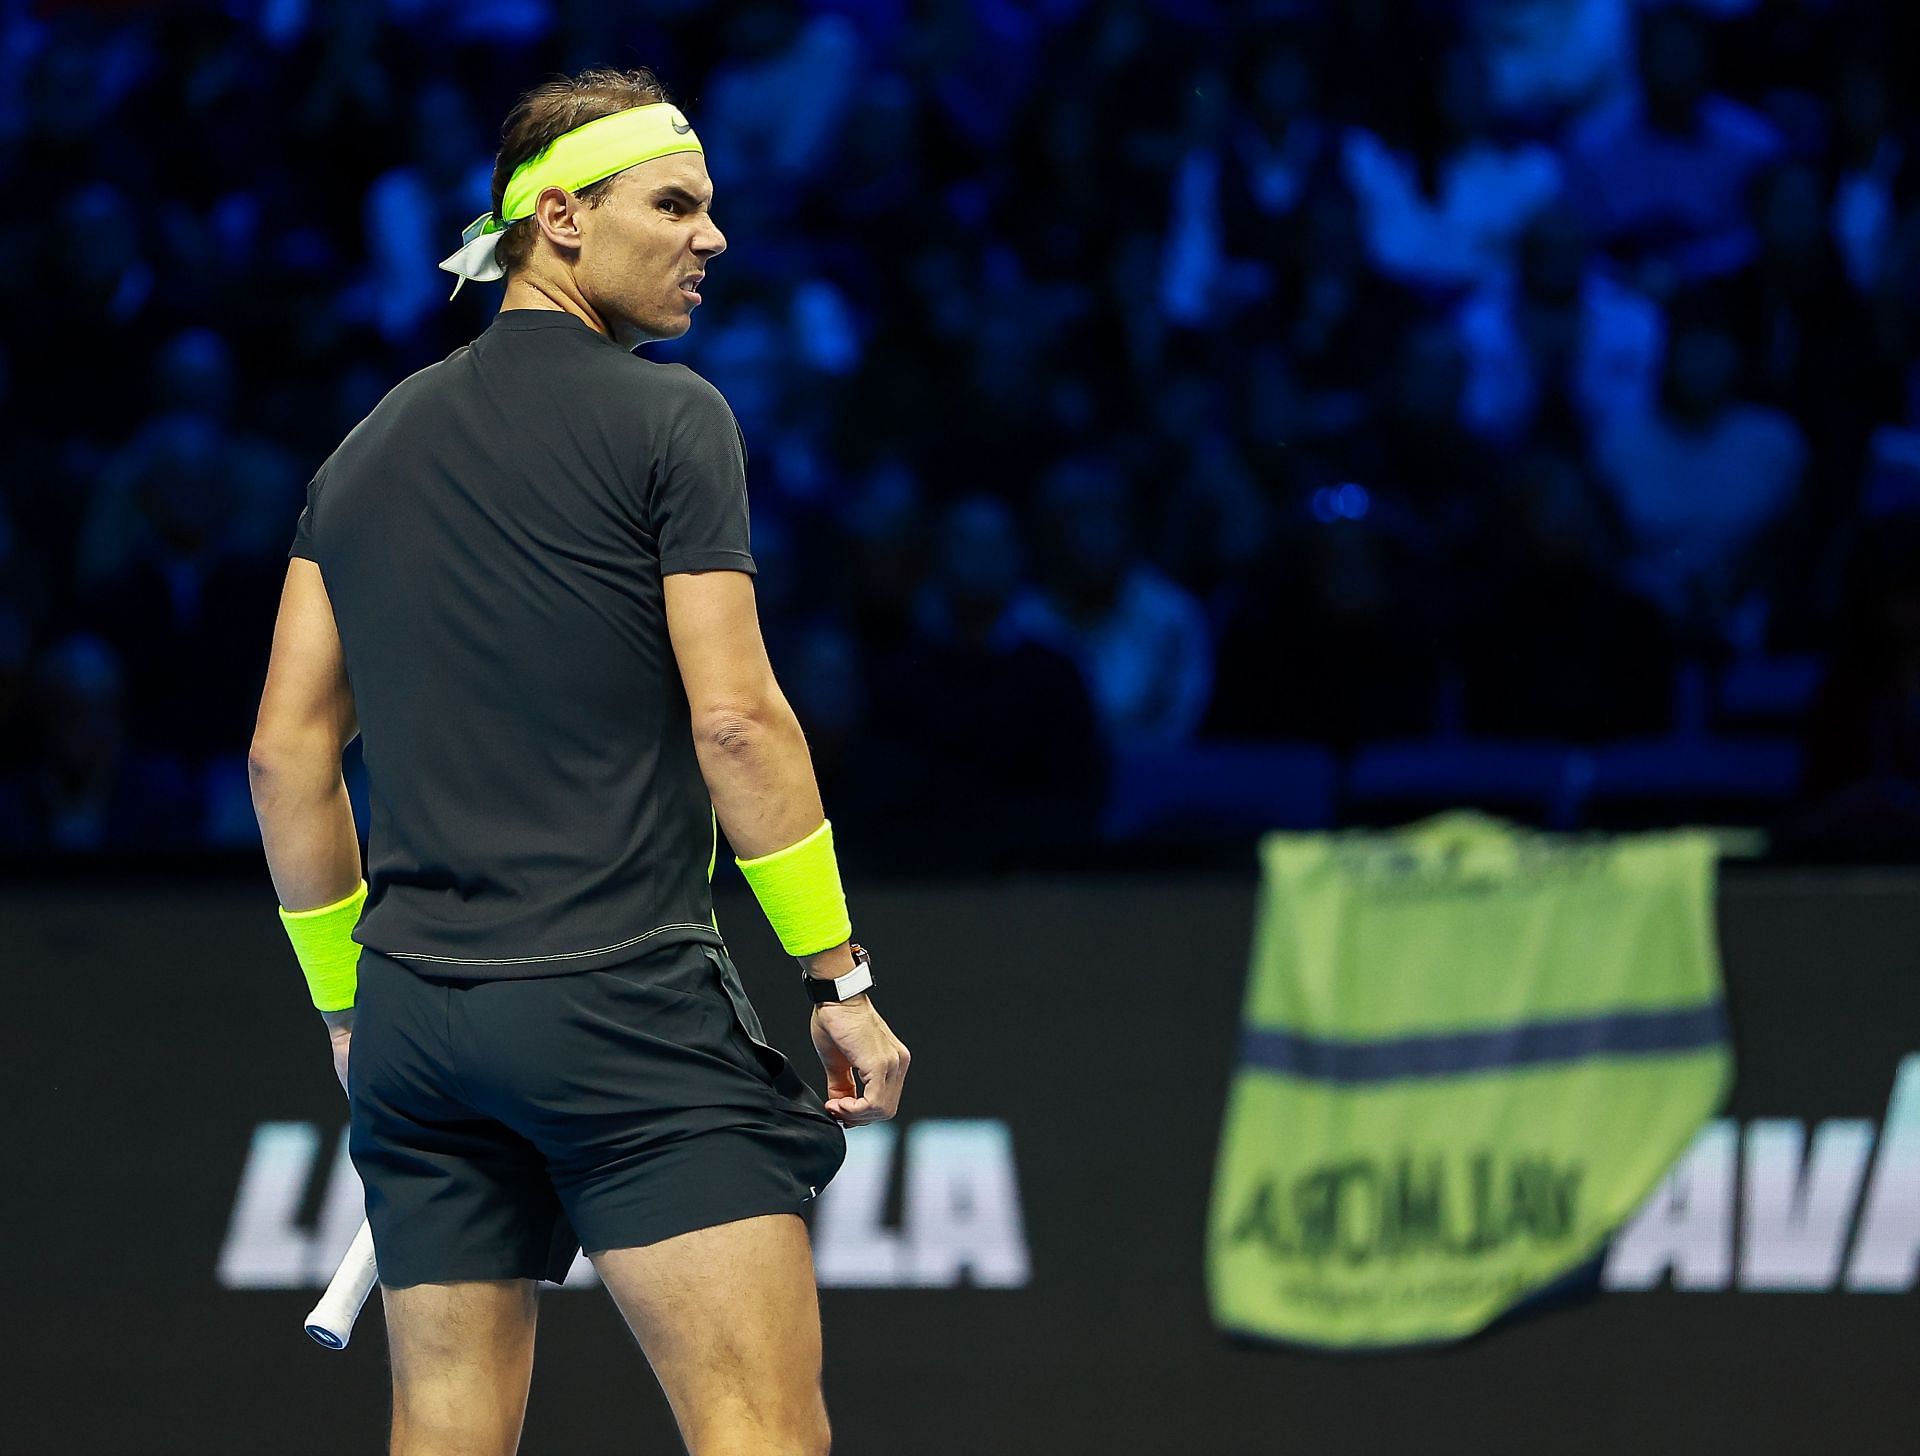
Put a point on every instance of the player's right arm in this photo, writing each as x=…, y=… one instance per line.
x=759, y=775
x=752, y=752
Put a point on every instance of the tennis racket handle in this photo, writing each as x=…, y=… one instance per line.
x=331, y=1321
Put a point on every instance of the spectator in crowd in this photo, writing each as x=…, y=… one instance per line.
x=994, y=728
x=1197, y=278
x=1663, y=173
x=251, y=483
x=1707, y=484
x=1418, y=461
x=1566, y=343
x=826, y=676
x=1443, y=203
x=1281, y=143
x=1329, y=644
x=1807, y=340
x=90, y=788
x=761, y=142
x=167, y=579
x=1213, y=530
x=1873, y=158
x=1549, y=57
x=887, y=530
x=413, y=208
x=99, y=282
x=1316, y=355
x=1140, y=640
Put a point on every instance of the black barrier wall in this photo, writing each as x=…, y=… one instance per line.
x=1015, y=1266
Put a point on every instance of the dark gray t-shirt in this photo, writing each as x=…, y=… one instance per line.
x=493, y=538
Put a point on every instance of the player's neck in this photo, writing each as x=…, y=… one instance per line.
x=524, y=292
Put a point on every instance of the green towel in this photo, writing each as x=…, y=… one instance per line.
x=1469, y=1052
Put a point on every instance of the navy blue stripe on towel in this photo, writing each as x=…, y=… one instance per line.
x=1529, y=1044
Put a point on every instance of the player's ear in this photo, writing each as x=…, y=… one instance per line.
x=557, y=214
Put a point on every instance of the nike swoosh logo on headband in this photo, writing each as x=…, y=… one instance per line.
x=683, y=130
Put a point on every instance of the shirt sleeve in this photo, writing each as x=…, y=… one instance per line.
x=699, y=501
x=303, y=529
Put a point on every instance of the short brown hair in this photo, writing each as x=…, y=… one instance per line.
x=547, y=112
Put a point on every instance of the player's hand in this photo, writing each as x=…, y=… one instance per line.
x=866, y=1063
x=340, y=1033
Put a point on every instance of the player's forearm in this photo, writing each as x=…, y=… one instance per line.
x=760, y=777
x=306, y=826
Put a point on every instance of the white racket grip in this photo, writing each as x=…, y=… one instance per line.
x=331, y=1322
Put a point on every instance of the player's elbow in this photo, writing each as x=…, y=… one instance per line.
x=266, y=761
x=273, y=759
x=267, y=778
x=735, y=728
x=730, y=734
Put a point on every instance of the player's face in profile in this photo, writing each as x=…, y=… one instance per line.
x=648, y=243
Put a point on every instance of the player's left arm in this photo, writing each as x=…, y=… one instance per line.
x=306, y=721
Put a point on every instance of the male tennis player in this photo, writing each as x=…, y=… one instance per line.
x=524, y=580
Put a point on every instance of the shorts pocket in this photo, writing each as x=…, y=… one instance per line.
x=745, y=1019
x=788, y=1086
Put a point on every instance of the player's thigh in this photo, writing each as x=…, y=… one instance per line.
x=462, y=1360
x=730, y=1321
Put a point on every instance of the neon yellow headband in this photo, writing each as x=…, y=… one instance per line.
x=575, y=159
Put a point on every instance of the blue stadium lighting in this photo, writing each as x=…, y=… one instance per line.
x=1348, y=502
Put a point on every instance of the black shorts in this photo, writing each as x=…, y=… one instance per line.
x=500, y=1126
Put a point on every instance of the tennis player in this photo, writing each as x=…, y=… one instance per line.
x=524, y=580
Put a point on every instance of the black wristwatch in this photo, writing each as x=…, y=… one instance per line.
x=856, y=982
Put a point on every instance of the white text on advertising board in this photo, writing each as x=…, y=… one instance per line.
x=1766, y=1207
x=960, y=1217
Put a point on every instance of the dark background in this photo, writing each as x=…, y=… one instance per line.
x=1312, y=413
x=154, y=1025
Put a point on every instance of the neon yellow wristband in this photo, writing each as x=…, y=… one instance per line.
x=799, y=889
x=328, y=954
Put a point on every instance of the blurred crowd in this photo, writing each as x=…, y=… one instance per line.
x=1116, y=376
